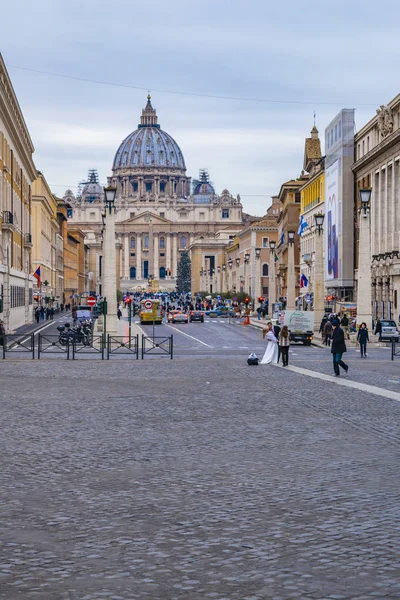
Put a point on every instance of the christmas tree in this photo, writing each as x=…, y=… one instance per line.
x=184, y=278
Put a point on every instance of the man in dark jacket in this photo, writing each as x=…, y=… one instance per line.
x=338, y=348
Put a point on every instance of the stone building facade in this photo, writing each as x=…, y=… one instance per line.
x=157, y=215
x=377, y=166
x=17, y=173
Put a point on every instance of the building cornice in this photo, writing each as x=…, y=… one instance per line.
x=385, y=144
x=11, y=112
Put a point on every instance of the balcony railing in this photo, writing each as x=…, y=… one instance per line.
x=8, y=217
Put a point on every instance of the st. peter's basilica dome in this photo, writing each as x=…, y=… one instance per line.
x=149, y=146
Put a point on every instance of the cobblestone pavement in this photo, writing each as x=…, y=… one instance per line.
x=194, y=480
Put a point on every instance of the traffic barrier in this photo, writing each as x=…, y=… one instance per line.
x=121, y=345
x=96, y=346
x=158, y=346
x=395, y=352
x=13, y=343
x=51, y=344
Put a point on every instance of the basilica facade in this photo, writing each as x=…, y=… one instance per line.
x=160, y=212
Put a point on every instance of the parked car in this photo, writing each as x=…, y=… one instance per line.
x=177, y=316
x=389, y=331
x=196, y=315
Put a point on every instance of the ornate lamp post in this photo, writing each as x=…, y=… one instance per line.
x=109, y=261
x=364, y=296
x=291, y=285
x=224, y=286
x=219, y=280
x=272, y=286
x=258, y=287
x=237, y=280
x=246, y=262
x=319, y=283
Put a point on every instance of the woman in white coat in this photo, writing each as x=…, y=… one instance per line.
x=271, y=352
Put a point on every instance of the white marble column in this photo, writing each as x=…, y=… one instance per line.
x=291, y=283
x=110, y=272
x=319, y=282
x=168, y=251
x=126, y=255
x=364, y=296
x=156, y=271
x=138, y=257
x=174, y=254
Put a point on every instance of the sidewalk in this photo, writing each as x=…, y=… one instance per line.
x=35, y=327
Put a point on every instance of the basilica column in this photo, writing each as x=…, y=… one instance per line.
x=174, y=254
x=126, y=256
x=138, y=256
x=156, y=271
x=168, y=252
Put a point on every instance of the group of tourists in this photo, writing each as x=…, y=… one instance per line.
x=42, y=313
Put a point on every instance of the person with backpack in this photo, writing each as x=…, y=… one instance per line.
x=345, y=325
x=327, y=333
x=338, y=348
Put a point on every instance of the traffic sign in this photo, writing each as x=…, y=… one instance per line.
x=91, y=301
x=148, y=304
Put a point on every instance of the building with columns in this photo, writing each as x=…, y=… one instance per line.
x=377, y=166
x=158, y=216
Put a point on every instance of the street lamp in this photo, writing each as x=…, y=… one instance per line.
x=109, y=197
x=271, y=282
x=257, y=285
x=246, y=257
x=365, y=197
x=291, y=285
x=238, y=261
x=319, y=281
x=230, y=263
x=110, y=263
x=364, y=296
x=319, y=221
x=219, y=269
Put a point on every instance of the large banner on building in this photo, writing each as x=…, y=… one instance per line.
x=332, y=222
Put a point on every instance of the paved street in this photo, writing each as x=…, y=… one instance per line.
x=158, y=480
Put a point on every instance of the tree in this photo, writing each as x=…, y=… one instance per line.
x=184, y=276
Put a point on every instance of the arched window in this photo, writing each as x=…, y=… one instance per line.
x=146, y=241
x=132, y=273
x=182, y=243
x=162, y=243
x=265, y=270
x=133, y=243
x=162, y=272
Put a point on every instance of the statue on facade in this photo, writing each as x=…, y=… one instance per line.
x=385, y=120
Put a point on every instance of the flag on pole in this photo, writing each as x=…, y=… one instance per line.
x=275, y=257
x=302, y=225
x=303, y=281
x=282, y=238
x=37, y=276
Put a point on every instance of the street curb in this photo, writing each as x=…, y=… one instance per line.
x=35, y=331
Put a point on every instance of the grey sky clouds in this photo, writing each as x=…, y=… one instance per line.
x=344, y=53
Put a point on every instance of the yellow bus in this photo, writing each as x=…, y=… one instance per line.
x=150, y=311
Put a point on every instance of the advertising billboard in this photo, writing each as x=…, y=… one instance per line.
x=332, y=222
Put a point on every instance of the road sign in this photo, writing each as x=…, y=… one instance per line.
x=91, y=301
x=148, y=304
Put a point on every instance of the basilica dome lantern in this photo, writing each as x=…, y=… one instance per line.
x=149, y=164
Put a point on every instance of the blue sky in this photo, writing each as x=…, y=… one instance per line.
x=312, y=56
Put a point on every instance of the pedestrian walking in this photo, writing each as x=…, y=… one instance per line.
x=362, y=339
x=42, y=313
x=37, y=315
x=259, y=311
x=345, y=325
x=327, y=333
x=119, y=313
x=378, y=329
x=51, y=314
x=284, y=343
x=47, y=313
x=338, y=348
x=322, y=325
